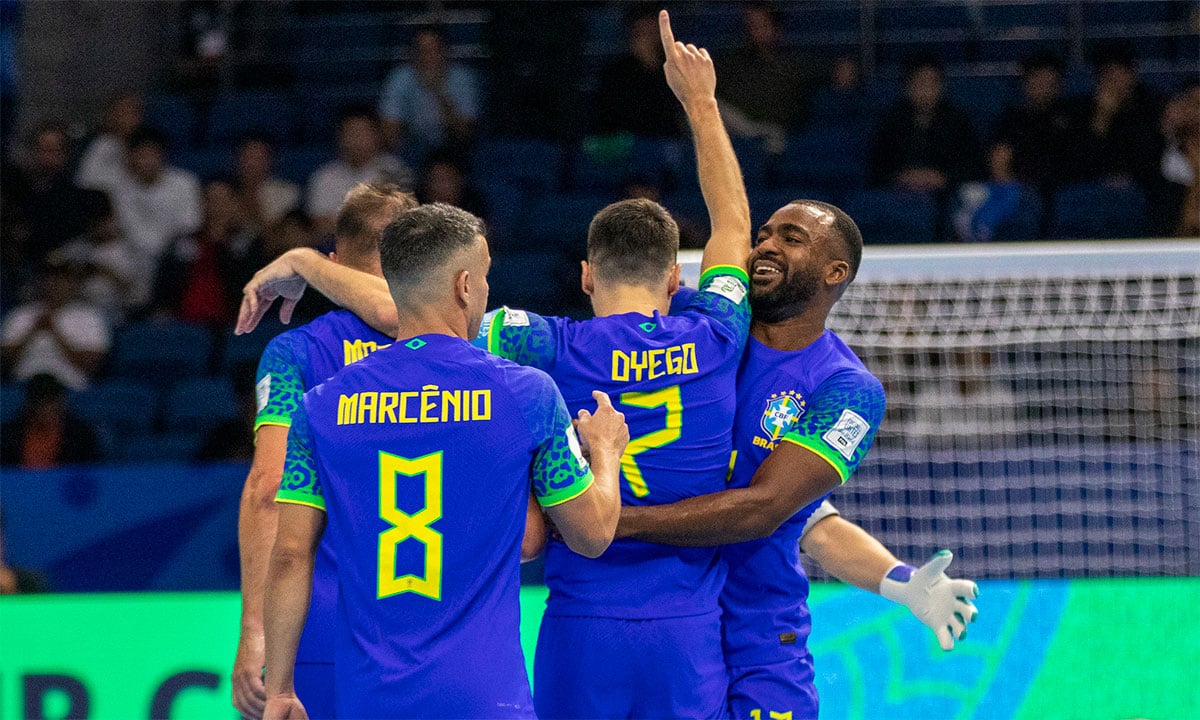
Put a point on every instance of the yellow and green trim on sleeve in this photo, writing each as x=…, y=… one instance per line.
x=293, y=497
x=823, y=451
x=730, y=270
x=558, y=496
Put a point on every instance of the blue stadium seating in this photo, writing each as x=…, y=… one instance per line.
x=529, y=163
x=198, y=403
x=1048, y=16
x=764, y=203
x=906, y=17
x=160, y=351
x=173, y=115
x=128, y=407
x=1025, y=223
x=234, y=114
x=11, y=397
x=983, y=97
x=541, y=281
x=320, y=105
x=1096, y=210
x=891, y=216
x=348, y=47
x=829, y=159
x=160, y=447
x=206, y=162
x=298, y=162
x=248, y=348
x=561, y=221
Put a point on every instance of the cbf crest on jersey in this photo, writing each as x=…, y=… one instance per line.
x=783, y=409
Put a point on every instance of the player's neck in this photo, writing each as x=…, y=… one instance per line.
x=621, y=299
x=794, y=333
x=429, y=320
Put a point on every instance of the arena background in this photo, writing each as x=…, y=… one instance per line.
x=1044, y=398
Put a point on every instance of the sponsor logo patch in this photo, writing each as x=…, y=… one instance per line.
x=849, y=431
x=576, y=450
x=262, y=391
x=728, y=287
x=516, y=318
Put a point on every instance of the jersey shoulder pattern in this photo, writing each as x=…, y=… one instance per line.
x=842, y=419
x=724, y=295
x=300, y=484
x=279, y=383
x=525, y=338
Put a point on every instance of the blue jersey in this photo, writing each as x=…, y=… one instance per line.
x=674, y=378
x=423, y=455
x=823, y=399
x=294, y=362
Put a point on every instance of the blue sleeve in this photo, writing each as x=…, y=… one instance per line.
x=842, y=418
x=279, y=383
x=523, y=337
x=724, y=295
x=559, y=470
x=300, y=484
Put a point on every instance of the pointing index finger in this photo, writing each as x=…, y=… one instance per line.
x=664, y=30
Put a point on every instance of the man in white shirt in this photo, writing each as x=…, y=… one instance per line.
x=360, y=160
x=265, y=198
x=154, y=202
x=104, y=158
x=57, y=335
x=430, y=102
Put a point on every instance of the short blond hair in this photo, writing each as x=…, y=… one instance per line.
x=366, y=211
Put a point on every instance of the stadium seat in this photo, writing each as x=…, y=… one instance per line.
x=1026, y=222
x=298, y=162
x=344, y=47
x=199, y=403
x=1098, y=211
x=891, y=216
x=320, y=104
x=160, y=447
x=531, y=164
x=533, y=280
x=174, y=116
x=829, y=159
x=206, y=162
x=127, y=407
x=561, y=221
x=765, y=202
x=1047, y=16
x=982, y=97
x=607, y=169
x=916, y=16
x=12, y=395
x=235, y=114
x=241, y=349
x=160, y=351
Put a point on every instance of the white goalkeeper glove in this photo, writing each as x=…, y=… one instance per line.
x=941, y=603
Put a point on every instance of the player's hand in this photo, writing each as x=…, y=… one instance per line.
x=277, y=280
x=689, y=69
x=285, y=707
x=603, y=431
x=249, y=693
x=941, y=603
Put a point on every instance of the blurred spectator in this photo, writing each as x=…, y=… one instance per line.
x=15, y=580
x=233, y=439
x=45, y=435
x=295, y=229
x=112, y=280
x=205, y=30
x=633, y=96
x=47, y=196
x=691, y=234
x=1176, y=204
x=985, y=206
x=201, y=276
x=924, y=142
x=765, y=89
x=445, y=181
x=264, y=197
x=104, y=159
x=1038, y=130
x=155, y=203
x=58, y=335
x=360, y=159
x=430, y=102
x=1116, y=128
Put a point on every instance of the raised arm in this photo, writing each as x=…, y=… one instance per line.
x=690, y=74
x=286, y=278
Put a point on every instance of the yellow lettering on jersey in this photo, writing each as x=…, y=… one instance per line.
x=357, y=350
x=638, y=365
x=762, y=443
x=431, y=405
x=348, y=409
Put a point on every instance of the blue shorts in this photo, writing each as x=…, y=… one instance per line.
x=590, y=667
x=314, y=687
x=777, y=691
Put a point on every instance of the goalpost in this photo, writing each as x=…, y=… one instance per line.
x=1043, y=411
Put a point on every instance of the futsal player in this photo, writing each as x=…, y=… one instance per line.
x=636, y=632
x=293, y=362
x=808, y=411
x=423, y=455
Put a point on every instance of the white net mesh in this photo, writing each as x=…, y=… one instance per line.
x=1043, y=407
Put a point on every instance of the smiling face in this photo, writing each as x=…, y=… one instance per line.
x=792, y=262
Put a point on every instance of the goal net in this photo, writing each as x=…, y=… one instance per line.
x=1043, y=411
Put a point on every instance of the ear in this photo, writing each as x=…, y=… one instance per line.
x=334, y=256
x=463, y=288
x=837, y=272
x=673, y=280
x=586, y=282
